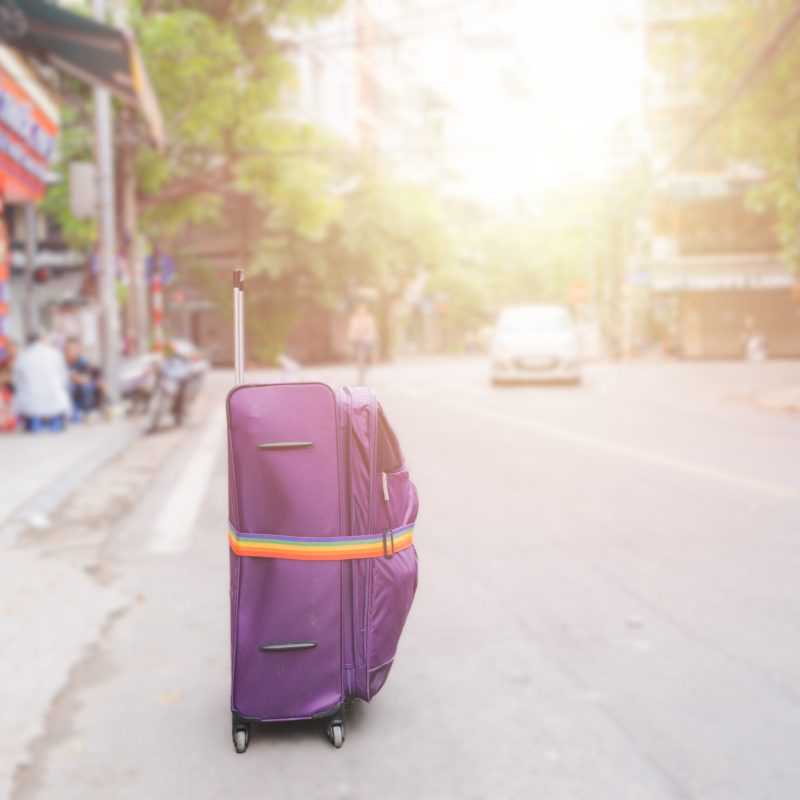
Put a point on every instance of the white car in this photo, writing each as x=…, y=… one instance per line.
x=535, y=342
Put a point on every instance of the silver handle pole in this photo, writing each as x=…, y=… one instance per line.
x=238, y=326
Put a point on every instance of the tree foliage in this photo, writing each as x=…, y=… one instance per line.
x=385, y=235
x=762, y=128
x=332, y=224
x=580, y=233
x=223, y=80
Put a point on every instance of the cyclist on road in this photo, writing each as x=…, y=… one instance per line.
x=361, y=334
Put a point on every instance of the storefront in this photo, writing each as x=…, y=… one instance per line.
x=29, y=123
x=90, y=52
x=708, y=303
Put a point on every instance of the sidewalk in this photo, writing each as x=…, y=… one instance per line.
x=38, y=472
x=62, y=496
x=50, y=611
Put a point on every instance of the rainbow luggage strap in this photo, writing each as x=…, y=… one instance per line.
x=321, y=548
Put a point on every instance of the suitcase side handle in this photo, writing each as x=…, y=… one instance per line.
x=238, y=326
x=285, y=445
x=281, y=646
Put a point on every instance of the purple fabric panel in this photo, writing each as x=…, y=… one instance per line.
x=288, y=601
x=361, y=571
x=393, y=581
x=384, y=588
x=233, y=516
x=283, y=491
x=402, y=506
x=377, y=677
x=357, y=402
x=392, y=588
x=360, y=425
x=275, y=600
x=343, y=417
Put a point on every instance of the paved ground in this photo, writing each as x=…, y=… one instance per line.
x=61, y=497
x=608, y=606
x=37, y=472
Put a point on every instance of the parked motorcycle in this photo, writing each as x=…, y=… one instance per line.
x=137, y=380
x=162, y=386
x=179, y=377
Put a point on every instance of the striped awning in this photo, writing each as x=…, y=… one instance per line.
x=89, y=51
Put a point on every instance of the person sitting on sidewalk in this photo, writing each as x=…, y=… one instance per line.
x=40, y=385
x=84, y=380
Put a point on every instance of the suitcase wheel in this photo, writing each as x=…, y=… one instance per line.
x=240, y=740
x=336, y=733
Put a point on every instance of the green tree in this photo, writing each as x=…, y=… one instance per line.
x=384, y=235
x=579, y=233
x=223, y=79
x=762, y=127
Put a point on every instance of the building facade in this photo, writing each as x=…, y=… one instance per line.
x=714, y=264
x=29, y=121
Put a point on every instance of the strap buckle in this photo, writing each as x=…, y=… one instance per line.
x=386, y=553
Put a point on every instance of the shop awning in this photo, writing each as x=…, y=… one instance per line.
x=91, y=52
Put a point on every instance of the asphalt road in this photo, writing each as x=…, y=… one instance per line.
x=609, y=607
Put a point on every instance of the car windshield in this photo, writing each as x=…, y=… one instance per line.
x=533, y=320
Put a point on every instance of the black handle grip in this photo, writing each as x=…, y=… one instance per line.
x=238, y=279
x=285, y=445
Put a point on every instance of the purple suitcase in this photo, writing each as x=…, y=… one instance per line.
x=323, y=568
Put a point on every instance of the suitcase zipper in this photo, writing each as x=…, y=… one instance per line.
x=346, y=408
x=385, y=482
x=373, y=458
x=373, y=474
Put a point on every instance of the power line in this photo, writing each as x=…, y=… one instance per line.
x=347, y=37
x=349, y=40
x=607, y=151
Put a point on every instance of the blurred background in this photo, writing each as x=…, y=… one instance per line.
x=562, y=241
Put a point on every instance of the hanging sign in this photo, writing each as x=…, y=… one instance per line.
x=28, y=131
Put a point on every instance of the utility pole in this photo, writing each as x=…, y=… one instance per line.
x=137, y=288
x=104, y=156
x=591, y=258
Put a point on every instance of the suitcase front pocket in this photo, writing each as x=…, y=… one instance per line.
x=391, y=582
x=392, y=585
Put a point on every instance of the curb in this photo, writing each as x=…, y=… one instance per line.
x=50, y=499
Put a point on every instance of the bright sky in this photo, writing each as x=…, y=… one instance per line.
x=537, y=89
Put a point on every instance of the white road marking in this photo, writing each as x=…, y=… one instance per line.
x=411, y=391
x=678, y=464
x=472, y=391
x=176, y=522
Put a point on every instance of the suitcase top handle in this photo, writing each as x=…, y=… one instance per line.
x=285, y=445
x=278, y=647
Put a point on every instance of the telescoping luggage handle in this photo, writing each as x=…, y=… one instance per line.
x=238, y=326
x=238, y=356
